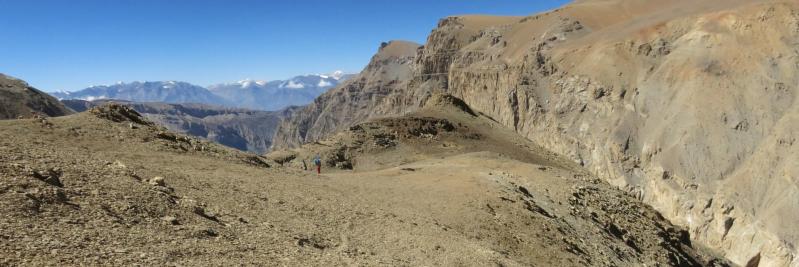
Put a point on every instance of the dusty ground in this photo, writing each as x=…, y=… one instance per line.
x=82, y=190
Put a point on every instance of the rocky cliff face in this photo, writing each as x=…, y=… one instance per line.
x=376, y=91
x=689, y=105
x=18, y=99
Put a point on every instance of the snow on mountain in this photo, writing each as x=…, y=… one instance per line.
x=166, y=91
x=247, y=93
x=336, y=75
x=274, y=95
x=293, y=85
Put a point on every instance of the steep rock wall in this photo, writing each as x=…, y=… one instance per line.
x=377, y=90
x=691, y=106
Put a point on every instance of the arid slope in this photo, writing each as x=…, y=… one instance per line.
x=18, y=99
x=243, y=129
x=689, y=105
x=105, y=187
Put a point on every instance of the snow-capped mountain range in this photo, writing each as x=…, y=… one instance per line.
x=251, y=94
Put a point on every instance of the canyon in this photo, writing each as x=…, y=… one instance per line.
x=689, y=106
x=603, y=133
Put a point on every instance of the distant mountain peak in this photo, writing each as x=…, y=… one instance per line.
x=148, y=91
x=336, y=75
x=277, y=94
x=246, y=93
x=291, y=84
x=250, y=82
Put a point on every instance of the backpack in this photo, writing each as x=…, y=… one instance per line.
x=317, y=161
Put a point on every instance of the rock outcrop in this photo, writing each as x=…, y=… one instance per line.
x=690, y=106
x=20, y=100
x=373, y=92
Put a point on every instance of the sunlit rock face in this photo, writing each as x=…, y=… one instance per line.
x=689, y=105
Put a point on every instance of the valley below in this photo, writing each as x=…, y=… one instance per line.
x=242, y=129
x=600, y=133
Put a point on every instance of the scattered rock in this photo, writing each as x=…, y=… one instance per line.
x=119, y=113
x=207, y=232
x=314, y=242
x=157, y=181
x=164, y=189
x=51, y=176
x=170, y=136
x=119, y=164
x=171, y=220
x=525, y=192
x=205, y=214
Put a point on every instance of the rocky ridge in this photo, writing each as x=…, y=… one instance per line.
x=103, y=197
x=369, y=94
x=107, y=187
x=614, y=228
x=20, y=100
x=655, y=97
x=242, y=129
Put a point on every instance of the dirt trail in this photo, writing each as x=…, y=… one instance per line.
x=104, y=188
x=497, y=197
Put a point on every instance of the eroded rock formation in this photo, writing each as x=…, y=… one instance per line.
x=689, y=105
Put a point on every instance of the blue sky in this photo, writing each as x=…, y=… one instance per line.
x=72, y=44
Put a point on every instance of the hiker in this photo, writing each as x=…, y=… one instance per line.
x=318, y=162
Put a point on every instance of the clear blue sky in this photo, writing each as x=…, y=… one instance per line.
x=72, y=44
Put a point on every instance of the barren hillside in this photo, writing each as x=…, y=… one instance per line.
x=106, y=187
x=18, y=99
x=688, y=105
x=243, y=129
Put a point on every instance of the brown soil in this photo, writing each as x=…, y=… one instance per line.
x=99, y=188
